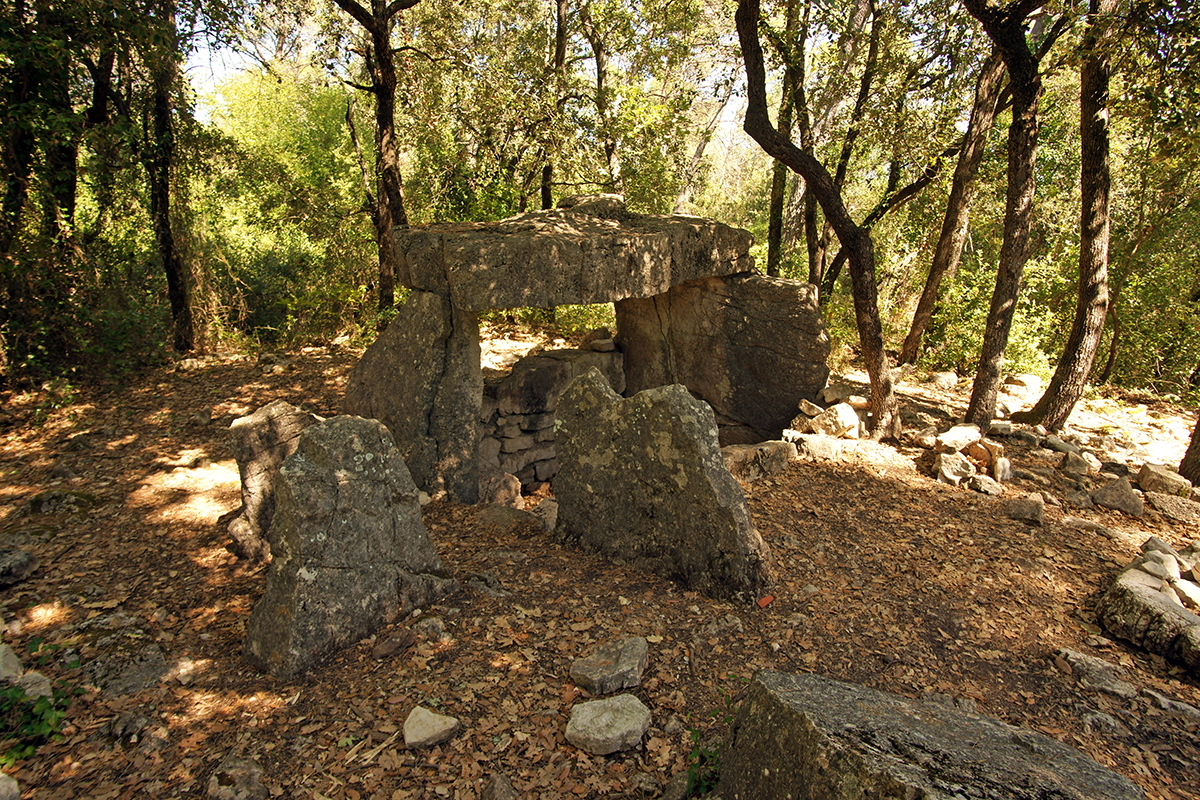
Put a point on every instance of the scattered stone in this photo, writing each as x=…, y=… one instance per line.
x=926, y=438
x=1056, y=444
x=985, y=485
x=1074, y=464
x=1028, y=508
x=62, y=469
x=943, y=380
x=815, y=447
x=397, y=642
x=952, y=468
x=35, y=684
x=497, y=487
x=486, y=583
x=237, y=779
x=425, y=728
x=602, y=345
x=858, y=402
x=605, y=726
x=1094, y=465
x=127, y=670
x=1023, y=381
x=1096, y=673
x=10, y=665
x=351, y=551
x=832, y=395
x=1080, y=499
x=1179, y=509
x=749, y=462
x=838, y=421
x=260, y=443
x=498, y=787
x=58, y=501
x=432, y=628
x=1179, y=709
x=642, y=480
x=1031, y=477
x=806, y=736
x=547, y=512
x=808, y=408
x=1145, y=610
x=1088, y=526
x=1002, y=470
x=958, y=438
x=1000, y=427
x=9, y=788
x=1119, y=495
x=1160, y=479
x=16, y=565
x=612, y=666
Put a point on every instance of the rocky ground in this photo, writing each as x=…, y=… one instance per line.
x=887, y=579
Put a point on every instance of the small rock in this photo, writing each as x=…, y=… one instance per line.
x=1157, y=478
x=1081, y=500
x=237, y=779
x=1119, y=495
x=547, y=512
x=838, y=421
x=1002, y=470
x=10, y=665
x=1074, y=464
x=985, y=485
x=62, y=469
x=809, y=408
x=498, y=787
x=1097, y=673
x=957, y=438
x=815, y=447
x=944, y=380
x=602, y=345
x=605, y=726
x=858, y=402
x=952, y=468
x=926, y=438
x=1176, y=707
x=9, y=788
x=432, y=628
x=1056, y=444
x=1029, y=508
x=16, y=565
x=35, y=684
x=1173, y=507
x=832, y=395
x=1000, y=428
x=424, y=728
x=613, y=666
x=1088, y=525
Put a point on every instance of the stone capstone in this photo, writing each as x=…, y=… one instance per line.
x=612, y=666
x=260, y=442
x=605, y=726
x=350, y=552
x=421, y=378
x=591, y=252
x=749, y=462
x=1119, y=495
x=425, y=728
x=750, y=346
x=642, y=480
x=807, y=737
x=1160, y=479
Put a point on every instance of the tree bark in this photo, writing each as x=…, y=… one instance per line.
x=779, y=172
x=1006, y=29
x=953, y=236
x=16, y=153
x=857, y=242
x=1071, y=375
x=1190, y=466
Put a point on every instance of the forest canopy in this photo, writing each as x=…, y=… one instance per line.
x=182, y=176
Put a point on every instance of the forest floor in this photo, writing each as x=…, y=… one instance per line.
x=886, y=579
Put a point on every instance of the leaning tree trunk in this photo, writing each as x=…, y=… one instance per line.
x=779, y=173
x=1190, y=466
x=1006, y=29
x=855, y=240
x=1071, y=376
x=958, y=207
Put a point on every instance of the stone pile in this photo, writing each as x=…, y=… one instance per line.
x=1155, y=600
x=517, y=413
x=616, y=723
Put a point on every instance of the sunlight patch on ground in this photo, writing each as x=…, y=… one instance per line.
x=198, y=496
x=46, y=616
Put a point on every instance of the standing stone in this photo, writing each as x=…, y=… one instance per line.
x=1157, y=478
x=612, y=666
x=750, y=346
x=808, y=737
x=350, y=550
x=605, y=726
x=642, y=480
x=421, y=378
x=260, y=443
x=1119, y=496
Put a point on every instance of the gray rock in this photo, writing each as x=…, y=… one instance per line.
x=612, y=666
x=926, y=438
x=1119, y=495
x=1160, y=479
x=808, y=408
x=1088, y=526
x=749, y=345
x=1026, y=438
x=1028, y=508
x=1002, y=469
x=943, y=380
x=642, y=480
x=1081, y=500
x=1074, y=464
x=1096, y=673
x=985, y=485
x=350, y=550
x=958, y=438
x=1137, y=609
x=1000, y=427
x=421, y=378
x=237, y=779
x=16, y=565
x=547, y=512
x=749, y=462
x=35, y=684
x=498, y=787
x=1179, y=709
x=952, y=468
x=535, y=383
x=606, y=726
x=832, y=395
x=58, y=501
x=9, y=788
x=260, y=442
x=497, y=487
x=816, y=447
x=10, y=665
x=130, y=667
x=839, y=421
x=588, y=253
x=811, y=738
x=1056, y=444
x=425, y=728
x=1179, y=509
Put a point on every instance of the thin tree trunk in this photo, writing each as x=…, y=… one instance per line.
x=16, y=151
x=1006, y=29
x=886, y=417
x=557, y=66
x=600, y=55
x=1071, y=375
x=1190, y=466
x=780, y=170
x=949, y=249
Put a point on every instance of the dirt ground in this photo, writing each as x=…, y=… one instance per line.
x=886, y=578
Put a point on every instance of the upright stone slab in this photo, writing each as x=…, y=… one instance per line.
x=751, y=346
x=642, y=480
x=350, y=550
x=421, y=378
x=807, y=737
x=260, y=442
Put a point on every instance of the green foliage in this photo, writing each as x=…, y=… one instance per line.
x=704, y=761
x=28, y=722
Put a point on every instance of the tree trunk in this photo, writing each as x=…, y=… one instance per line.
x=857, y=242
x=1006, y=29
x=1190, y=466
x=600, y=55
x=1071, y=375
x=958, y=207
x=159, y=162
x=779, y=172
x=689, y=176
x=17, y=148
